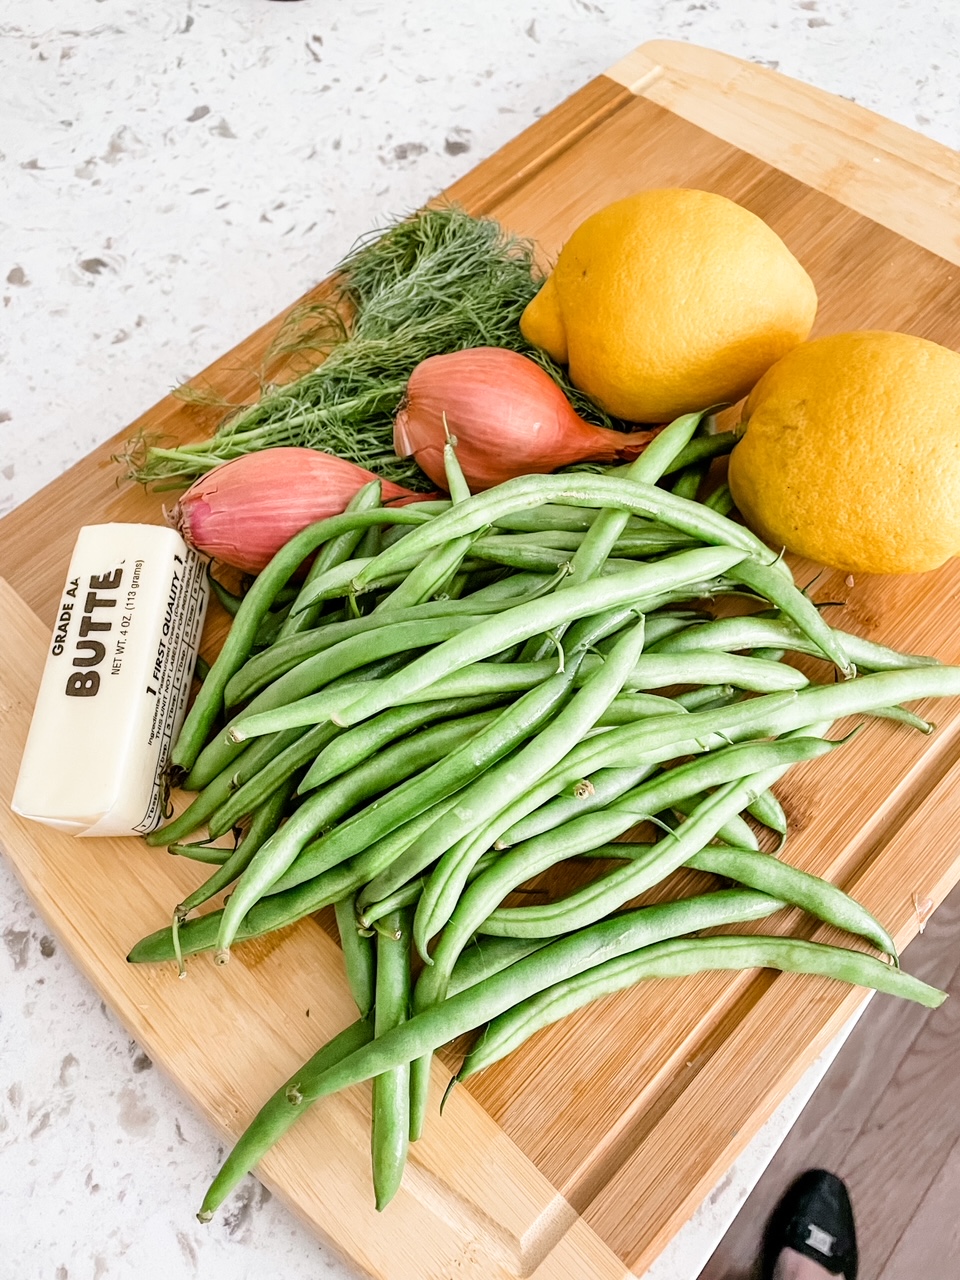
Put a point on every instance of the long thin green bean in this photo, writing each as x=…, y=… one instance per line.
x=277, y=1116
x=512, y=726
x=359, y=958
x=490, y=636
x=677, y=958
x=587, y=905
x=391, y=1089
x=352, y=746
x=331, y=803
x=576, y=490
x=265, y=822
x=265, y=782
x=750, y=631
x=500, y=786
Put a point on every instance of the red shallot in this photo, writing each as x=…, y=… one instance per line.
x=243, y=511
x=508, y=416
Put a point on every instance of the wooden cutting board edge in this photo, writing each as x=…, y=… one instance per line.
x=825, y=142
x=905, y=181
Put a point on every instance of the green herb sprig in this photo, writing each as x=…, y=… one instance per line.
x=437, y=282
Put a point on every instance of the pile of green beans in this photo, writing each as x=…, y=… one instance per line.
x=458, y=697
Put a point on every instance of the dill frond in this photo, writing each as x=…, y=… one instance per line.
x=437, y=282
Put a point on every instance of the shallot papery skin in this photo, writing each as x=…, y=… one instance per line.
x=508, y=416
x=243, y=511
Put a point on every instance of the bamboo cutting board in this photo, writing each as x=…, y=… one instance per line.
x=582, y=1154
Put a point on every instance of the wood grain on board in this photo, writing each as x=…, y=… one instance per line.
x=589, y=1147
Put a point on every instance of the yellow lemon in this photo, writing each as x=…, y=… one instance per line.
x=670, y=301
x=851, y=453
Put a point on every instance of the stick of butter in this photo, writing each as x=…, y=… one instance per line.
x=115, y=684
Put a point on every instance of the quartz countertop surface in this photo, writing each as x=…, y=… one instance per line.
x=173, y=175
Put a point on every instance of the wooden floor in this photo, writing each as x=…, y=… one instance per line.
x=886, y=1118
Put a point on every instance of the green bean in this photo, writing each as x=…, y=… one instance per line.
x=609, y=524
x=557, y=963
x=768, y=810
x=352, y=746
x=370, y=545
x=768, y=581
x=334, y=552
x=512, y=726
x=269, y=629
x=902, y=716
x=255, y=604
x=359, y=959
x=276, y=1116
x=737, y=770
x=495, y=791
x=480, y=679
x=702, y=448
x=405, y=896
x=486, y=956
x=628, y=707
x=678, y=958
x=326, y=806
x=578, y=490
x=265, y=822
x=257, y=789
x=634, y=541
x=223, y=747
x=262, y=669
x=648, y=542
x=691, y=477
x=457, y=486
x=339, y=581
x=657, y=671
x=221, y=787
x=490, y=636
x=213, y=855
x=603, y=788
x=427, y=578
x=815, y=895
x=391, y=1089
x=553, y=518
x=734, y=831
x=721, y=500
x=647, y=469
x=706, y=696
x=512, y=588
x=748, y=632
x=229, y=602
x=771, y=655
x=531, y=558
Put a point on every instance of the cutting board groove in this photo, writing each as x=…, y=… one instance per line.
x=582, y=1153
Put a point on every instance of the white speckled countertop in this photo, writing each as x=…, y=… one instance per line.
x=173, y=174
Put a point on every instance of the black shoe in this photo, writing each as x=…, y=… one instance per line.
x=815, y=1218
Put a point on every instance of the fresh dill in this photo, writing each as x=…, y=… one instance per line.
x=437, y=282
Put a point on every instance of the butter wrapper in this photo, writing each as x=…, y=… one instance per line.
x=115, y=684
